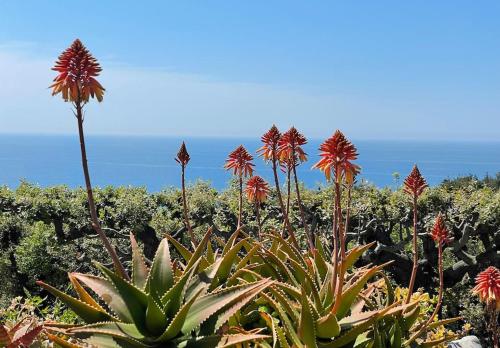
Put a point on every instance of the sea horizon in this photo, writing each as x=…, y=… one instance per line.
x=148, y=160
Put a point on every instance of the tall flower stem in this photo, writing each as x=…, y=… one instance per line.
x=93, y=212
x=257, y=213
x=185, y=207
x=301, y=208
x=284, y=209
x=240, y=202
x=415, y=252
x=288, y=192
x=440, y=297
x=340, y=264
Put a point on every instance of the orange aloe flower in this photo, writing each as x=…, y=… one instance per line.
x=183, y=156
x=439, y=231
x=488, y=286
x=77, y=71
x=290, y=147
x=336, y=155
x=257, y=189
x=240, y=161
x=270, y=139
x=415, y=183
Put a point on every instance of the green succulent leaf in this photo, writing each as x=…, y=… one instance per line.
x=140, y=271
x=161, y=276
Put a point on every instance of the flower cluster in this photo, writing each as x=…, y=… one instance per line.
x=337, y=154
x=415, y=183
x=270, y=139
x=77, y=69
x=240, y=161
x=488, y=286
x=439, y=231
x=290, y=147
x=257, y=189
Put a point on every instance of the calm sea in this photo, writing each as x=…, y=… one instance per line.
x=149, y=161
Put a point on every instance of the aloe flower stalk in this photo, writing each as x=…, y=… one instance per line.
x=76, y=82
x=414, y=186
x=183, y=159
x=257, y=191
x=240, y=162
x=337, y=154
x=290, y=151
x=488, y=289
x=440, y=235
x=269, y=152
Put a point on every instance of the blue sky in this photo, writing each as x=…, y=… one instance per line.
x=375, y=69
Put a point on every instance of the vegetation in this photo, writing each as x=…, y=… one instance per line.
x=327, y=269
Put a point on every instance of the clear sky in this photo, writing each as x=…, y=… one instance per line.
x=375, y=69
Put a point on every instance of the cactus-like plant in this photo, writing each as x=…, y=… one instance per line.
x=162, y=305
x=20, y=334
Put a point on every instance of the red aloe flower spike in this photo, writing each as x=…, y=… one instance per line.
x=77, y=71
x=336, y=155
x=415, y=183
x=182, y=156
x=257, y=189
x=240, y=161
x=439, y=232
x=290, y=146
x=488, y=286
x=270, y=148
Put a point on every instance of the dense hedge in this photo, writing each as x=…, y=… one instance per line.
x=45, y=232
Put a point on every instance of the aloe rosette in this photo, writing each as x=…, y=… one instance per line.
x=161, y=306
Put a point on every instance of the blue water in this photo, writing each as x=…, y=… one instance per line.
x=149, y=161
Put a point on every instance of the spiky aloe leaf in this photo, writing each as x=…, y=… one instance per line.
x=172, y=300
x=140, y=271
x=355, y=253
x=289, y=249
x=307, y=322
x=350, y=335
x=175, y=326
x=126, y=332
x=83, y=295
x=230, y=241
x=223, y=303
x=61, y=342
x=282, y=337
x=88, y=313
x=108, y=293
x=395, y=335
x=135, y=299
x=156, y=320
x=237, y=340
x=198, y=253
x=227, y=263
x=327, y=326
x=350, y=294
x=269, y=320
x=161, y=274
x=202, y=280
x=185, y=253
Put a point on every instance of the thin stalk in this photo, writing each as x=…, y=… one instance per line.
x=280, y=199
x=342, y=240
x=185, y=208
x=415, y=252
x=93, y=211
x=301, y=208
x=257, y=213
x=440, y=297
x=288, y=191
x=335, y=252
x=240, y=202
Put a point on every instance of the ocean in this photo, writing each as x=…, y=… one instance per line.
x=49, y=160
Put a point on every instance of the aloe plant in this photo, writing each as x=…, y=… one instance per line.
x=162, y=306
x=20, y=334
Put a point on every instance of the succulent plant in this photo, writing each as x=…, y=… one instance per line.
x=162, y=305
x=21, y=334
